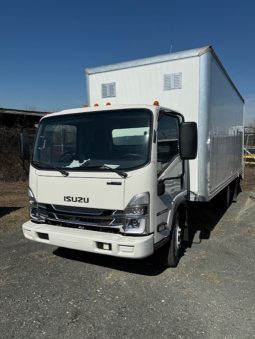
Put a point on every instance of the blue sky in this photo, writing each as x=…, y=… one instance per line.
x=46, y=44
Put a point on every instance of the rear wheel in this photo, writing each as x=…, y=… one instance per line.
x=173, y=250
x=227, y=195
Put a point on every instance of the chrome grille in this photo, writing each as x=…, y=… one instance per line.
x=82, y=218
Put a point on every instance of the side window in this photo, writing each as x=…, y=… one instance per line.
x=168, y=140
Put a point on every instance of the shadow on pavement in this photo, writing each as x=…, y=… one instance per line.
x=7, y=210
x=148, y=266
x=204, y=216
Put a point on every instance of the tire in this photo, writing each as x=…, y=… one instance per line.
x=171, y=253
x=235, y=189
x=228, y=196
x=225, y=197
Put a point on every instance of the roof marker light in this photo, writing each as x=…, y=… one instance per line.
x=156, y=103
x=96, y=105
x=108, y=104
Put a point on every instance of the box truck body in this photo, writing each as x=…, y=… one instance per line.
x=195, y=84
x=115, y=178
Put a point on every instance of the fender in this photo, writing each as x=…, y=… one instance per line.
x=179, y=199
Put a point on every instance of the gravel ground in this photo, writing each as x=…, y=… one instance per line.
x=46, y=292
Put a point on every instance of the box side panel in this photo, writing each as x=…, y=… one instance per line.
x=175, y=84
x=225, y=124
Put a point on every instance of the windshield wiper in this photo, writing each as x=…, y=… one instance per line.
x=120, y=173
x=46, y=166
x=86, y=165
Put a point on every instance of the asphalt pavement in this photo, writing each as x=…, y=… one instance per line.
x=46, y=292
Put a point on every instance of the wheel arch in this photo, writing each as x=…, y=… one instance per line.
x=179, y=202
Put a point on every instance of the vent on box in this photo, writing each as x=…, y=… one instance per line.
x=172, y=81
x=109, y=90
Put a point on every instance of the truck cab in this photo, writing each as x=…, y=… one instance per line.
x=111, y=180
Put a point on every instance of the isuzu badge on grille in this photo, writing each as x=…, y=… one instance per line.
x=68, y=198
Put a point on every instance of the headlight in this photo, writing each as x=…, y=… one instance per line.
x=31, y=196
x=137, y=215
x=33, y=207
x=136, y=210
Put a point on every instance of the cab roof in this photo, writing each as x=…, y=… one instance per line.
x=101, y=108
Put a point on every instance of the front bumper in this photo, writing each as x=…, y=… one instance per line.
x=90, y=241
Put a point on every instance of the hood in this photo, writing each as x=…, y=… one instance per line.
x=106, y=193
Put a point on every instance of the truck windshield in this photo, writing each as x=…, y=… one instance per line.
x=94, y=141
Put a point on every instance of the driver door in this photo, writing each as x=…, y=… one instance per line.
x=169, y=165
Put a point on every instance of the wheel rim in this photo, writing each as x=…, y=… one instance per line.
x=177, y=234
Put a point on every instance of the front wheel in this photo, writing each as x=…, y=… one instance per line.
x=173, y=250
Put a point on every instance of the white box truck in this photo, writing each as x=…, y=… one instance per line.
x=115, y=178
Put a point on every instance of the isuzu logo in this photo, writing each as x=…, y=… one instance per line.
x=68, y=198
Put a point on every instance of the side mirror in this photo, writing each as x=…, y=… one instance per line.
x=188, y=140
x=161, y=187
x=24, y=145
